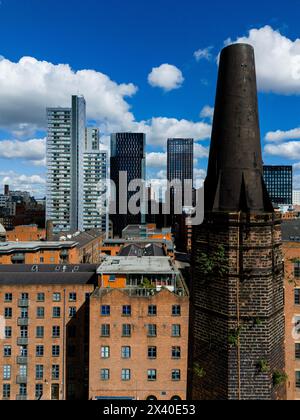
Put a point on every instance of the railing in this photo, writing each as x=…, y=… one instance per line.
x=21, y=360
x=23, y=303
x=23, y=322
x=21, y=398
x=21, y=341
x=22, y=380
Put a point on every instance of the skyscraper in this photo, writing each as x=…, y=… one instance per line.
x=238, y=323
x=127, y=155
x=279, y=182
x=76, y=170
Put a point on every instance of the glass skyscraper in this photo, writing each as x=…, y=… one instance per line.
x=180, y=160
x=279, y=183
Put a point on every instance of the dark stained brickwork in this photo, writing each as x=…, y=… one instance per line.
x=237, y=321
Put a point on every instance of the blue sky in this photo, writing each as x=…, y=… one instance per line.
x=120, y=43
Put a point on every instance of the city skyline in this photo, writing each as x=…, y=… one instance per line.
x=167, y=92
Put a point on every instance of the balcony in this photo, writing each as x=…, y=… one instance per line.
x=23, y=322
x=21, y=398
x=22, y=341
x=23, y=303
x=22, y=380
x=21, y=360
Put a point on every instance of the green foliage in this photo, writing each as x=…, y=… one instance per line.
x=147, y=284
x=214, y=263
x=199, y=371
x=263, y=366
x=234, y=336
x=258, y=322
x=279, y=378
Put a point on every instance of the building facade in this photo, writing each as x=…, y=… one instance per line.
x=139, y=333
x=44, y=349
x=279, y=183
x=180, y=160
x=76, y=170
x=237, y=322
x=128, y=156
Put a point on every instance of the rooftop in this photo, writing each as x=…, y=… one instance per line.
x=291, y=231
x=138, y=265
x=111, y=242
x=149, y=250
x=7, y=247
x=82, y=238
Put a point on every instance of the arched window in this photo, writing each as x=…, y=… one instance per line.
x=176, y=398
x=152, y=398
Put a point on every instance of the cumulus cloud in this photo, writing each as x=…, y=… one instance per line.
x=156, y=160
x=159, y=130
x=35, y=184
x=289, y=150
x=33, y=151
x=277, y=60
x=278, y=136
x=207, y=112
x=27, y=87
x=203, y=54
x=167, y=77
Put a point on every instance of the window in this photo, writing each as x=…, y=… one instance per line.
x=40, y=332
x=8, y=332
x=55, y=372
x=105, y=352
x=24, y=296
x=72, y=297
x=176, y=353
x=56, y=297
x=298, y=379
x=105, y=310
x=297, y=351
x=6, y=391
x=23, y=351
x=176, y=330
x=23, y=370
x=40, y=297
x=56, y=332
x=23, y=390
x=126, y=374
x=39, y=391
x=152, y=375
x=176, y=310
x=176, y=375
x=39, y=372
x=56, y=312
x=104, y=374
x=126, y=310
x=152, y=352
x=126, y=352
x=72, y=312
x=55, y=351
x=7, y=313
x=112, y=278
x=126, y=330
x=297, y=296
x=152, y=310
x=24, y=332
x=105, y=330
x=6, y=372
x=7, y=351
x=8, y=297
x=152, y=330
x=24, y=313
x=40, y=313
x=39, y=351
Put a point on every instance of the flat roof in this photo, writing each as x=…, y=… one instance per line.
x=146, y=241
x=48, y=268
x=6, y=247
x=138, y=265
x=40, y=279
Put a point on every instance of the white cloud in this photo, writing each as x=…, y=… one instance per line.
x=166, y=76
x=278, y=136
x=27, y=87
x=33, y=151
x=35, y=184
x=289, y=150
x=156, y=160
x=199, y=177
x=207, y=112
x=203, y=54
x=160, y=129
x=277, y=60
x=200, y=152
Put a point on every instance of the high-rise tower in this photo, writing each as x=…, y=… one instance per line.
x=238, y=289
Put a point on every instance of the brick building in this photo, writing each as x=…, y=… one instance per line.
x=237, y=293
x=139, y=331
x=39, y=253
x=44, y=330
x=26, y=234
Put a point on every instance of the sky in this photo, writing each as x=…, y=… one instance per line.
x=148, y=66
